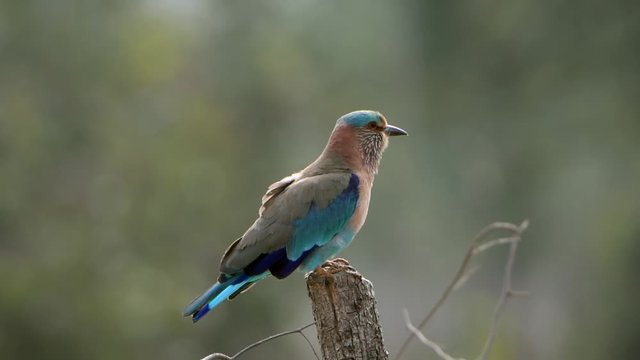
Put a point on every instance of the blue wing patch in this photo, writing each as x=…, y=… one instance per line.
x=321, y=225
x=275, y=262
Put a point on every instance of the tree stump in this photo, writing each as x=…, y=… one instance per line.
x=344, y=308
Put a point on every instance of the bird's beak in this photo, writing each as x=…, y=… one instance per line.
x=394, y=131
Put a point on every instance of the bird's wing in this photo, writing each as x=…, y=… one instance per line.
x=275, y=189
x=297, y=213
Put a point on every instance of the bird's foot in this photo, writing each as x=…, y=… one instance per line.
x=334, y=266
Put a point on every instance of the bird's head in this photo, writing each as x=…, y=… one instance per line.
x=370, y=132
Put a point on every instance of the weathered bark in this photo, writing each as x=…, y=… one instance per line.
x=344, y=308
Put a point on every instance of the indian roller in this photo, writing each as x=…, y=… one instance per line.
x=307, y=217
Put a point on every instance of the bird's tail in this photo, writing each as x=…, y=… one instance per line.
x=218, y=293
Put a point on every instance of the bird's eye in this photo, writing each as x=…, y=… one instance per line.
x=372, y=125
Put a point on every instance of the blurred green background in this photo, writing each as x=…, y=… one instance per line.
x=137, y=137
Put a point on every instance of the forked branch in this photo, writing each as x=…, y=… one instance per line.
x=478, y=245
x=219, y=356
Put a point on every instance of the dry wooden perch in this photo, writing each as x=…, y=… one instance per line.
x=344, y=308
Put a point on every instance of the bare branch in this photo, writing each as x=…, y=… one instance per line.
x=310, y=344
x=504, y=296
x=218, y=356
x=477, y=246
x=433, y=345
x=495, y=242
x=465, y=277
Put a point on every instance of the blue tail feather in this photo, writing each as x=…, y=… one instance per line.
x=218, y=293
x=198, y=302
x=217, y=300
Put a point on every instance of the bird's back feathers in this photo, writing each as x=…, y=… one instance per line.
x=286, y=208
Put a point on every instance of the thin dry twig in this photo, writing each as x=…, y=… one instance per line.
x=504, y=296
x=418, y=334
x=477, y=246
x=219, y=356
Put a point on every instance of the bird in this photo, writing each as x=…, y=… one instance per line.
x=307, y=217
